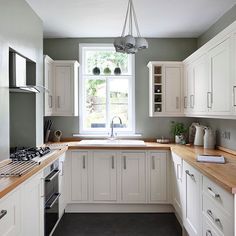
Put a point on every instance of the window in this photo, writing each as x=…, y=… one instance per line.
x=106, y=95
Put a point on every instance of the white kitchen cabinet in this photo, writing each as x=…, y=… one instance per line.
x=192, y=185
x=133, y=177
x=49, y=103
x=10, y=214
x=62, y=188
x=104, y=176
x=177, y=187
x=61, y=82
x=220, y=93
x=32, y=203
x=79, y=176
x=158, y=177
x=165, y=88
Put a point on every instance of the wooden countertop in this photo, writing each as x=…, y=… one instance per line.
x=7, y=184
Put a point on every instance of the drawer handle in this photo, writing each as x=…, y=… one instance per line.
x=189, y=174
x=209, y=212
x=3, y=213
x=212, y=193
x=218, y=222
x=208, y=233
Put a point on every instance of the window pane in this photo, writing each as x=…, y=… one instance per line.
x=95, y=103
x=105, y=58
x=119, y=100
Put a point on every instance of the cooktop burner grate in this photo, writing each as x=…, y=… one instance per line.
x=16, y=168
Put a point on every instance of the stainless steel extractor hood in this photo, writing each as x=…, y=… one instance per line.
x=17, y=74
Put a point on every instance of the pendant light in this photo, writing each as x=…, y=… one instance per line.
x=130, y=44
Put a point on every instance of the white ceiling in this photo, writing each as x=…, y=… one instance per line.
x=105, y=18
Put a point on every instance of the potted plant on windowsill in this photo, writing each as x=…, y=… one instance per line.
x=178, y=130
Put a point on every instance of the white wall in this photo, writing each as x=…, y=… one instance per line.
x=22, y=30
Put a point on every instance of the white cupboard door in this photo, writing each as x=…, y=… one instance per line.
x=177, y=191
x=133, y=174
x=79, y=176
x=63, y=90
x=49, y=85
x=158, y=176
x=104, y=176
x=192, y=200
x=173, y=91
x=220, y=81
x=33, y=206
x=201, y=99
x=10, y=219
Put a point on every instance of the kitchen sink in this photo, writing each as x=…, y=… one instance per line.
x=113, y=143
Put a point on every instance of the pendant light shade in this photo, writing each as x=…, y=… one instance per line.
x=130, y=44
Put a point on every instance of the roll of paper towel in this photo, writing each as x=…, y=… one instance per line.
x=57, y=135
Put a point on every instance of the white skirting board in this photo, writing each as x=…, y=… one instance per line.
x=119, y=208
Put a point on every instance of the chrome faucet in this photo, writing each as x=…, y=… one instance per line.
x=112, y=136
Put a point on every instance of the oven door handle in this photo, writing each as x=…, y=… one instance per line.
x=52, y=200
x=50, y=178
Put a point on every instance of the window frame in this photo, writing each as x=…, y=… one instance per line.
x=131, y=101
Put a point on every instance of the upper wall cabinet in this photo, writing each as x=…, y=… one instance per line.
x=61, y=81
x=165, y=88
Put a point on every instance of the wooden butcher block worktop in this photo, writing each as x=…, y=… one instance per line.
x=7, y=184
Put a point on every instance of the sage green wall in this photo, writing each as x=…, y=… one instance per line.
x=22, y=30
x=159, y=49
x=228, y=18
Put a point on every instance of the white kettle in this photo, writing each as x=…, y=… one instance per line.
x=209, y=138
x=198, y=139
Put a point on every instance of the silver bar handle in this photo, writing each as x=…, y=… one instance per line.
x=179, y=175
x=3, y=213
x=153, y=163
x=62, y=168
x=177, y=102
x=209, y=212
x=192, y=101
x=209, y=101
x=84, y=162
x=58, y=102
x=112, y=162
x=50, y=96
x=189, y=174
x=212, y=193
x=208, y=233
x=218, y=222
x=50, y=178
x=185, y=101
x=125, y=166
x=234, y=102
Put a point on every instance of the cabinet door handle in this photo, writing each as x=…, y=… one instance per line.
x=218, y=222
x=189, y=174
x=62, y=168
x=50, y=96
x=153, y=163
x=234, y=102
x=212, y=193
x=185, y=101
x=84, y=162
x=177, y=102
x=3, y=213
x=112, y=162
x=42, y=181
x=179, y=175
x=209, y=100
x=58, y=102
x=125, y=163
x=192, y=101
x=208, y=233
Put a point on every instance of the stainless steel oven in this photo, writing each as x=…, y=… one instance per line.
x=51, y=197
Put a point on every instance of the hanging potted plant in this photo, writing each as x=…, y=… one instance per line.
x=178, y=130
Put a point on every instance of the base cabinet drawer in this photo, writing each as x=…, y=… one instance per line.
x=222, y=221
x=10, y=224
x=209, y=229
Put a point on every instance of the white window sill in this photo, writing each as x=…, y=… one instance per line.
x=129, y=136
